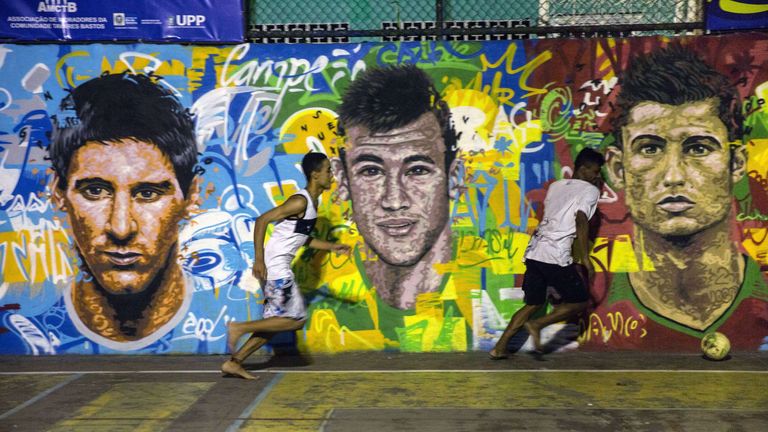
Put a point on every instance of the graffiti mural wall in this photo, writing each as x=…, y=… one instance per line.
x=131, y=177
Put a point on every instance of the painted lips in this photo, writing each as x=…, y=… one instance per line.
x=397, y=227
x=122, y=258
x=675, y=204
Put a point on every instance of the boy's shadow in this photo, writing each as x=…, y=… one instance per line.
x=285, y=354
x=551, y=343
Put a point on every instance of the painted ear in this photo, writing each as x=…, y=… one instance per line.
x=193, y=197
x=340, y=175
x=738, y=162
x=57, y=195
x=614, y=166
x=455, y=179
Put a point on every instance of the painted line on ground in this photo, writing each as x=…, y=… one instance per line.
x=235, y=426
x=40, y=395
x=324, y=424
x=385, y=371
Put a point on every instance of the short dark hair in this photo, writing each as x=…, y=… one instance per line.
x=312, y=162
x=588, y=156
x=386, y=98
x=119, y=106
x=674, y=76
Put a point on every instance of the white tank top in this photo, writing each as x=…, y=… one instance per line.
x=288, y=236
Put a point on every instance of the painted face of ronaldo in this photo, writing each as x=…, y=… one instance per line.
x=676, y=167
x=399, y=189
x=124, y=204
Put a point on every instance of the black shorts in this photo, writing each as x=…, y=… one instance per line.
x=565, y=280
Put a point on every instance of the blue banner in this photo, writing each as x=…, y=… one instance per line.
x=737, y=14
x=95, y=20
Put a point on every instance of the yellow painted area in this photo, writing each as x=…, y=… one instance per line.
x=757, y=159
x=17, y=389
x=302, y=401
x=35, y=256
x=278, y=193
x=742, y=8
x=605, y=70
x=755, y=245
x=619, y=255
x=476, y=101
x=623, y=259
x=310, y=129
x=197, y=68
x=145, y=406
x=761, y=92
x=326, y=335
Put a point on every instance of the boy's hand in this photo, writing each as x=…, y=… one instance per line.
x=340, y=248
x=260, y=270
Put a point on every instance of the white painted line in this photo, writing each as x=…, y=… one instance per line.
x=388, y=371
x=483, y=371
x=235, y=426
x=39, y=396
x=325, y=420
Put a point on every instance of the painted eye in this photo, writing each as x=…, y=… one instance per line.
x=698, y=150
x=418, y=171
x=94, y=192
x=370, y=171
x=650, y=149
x=147, y=195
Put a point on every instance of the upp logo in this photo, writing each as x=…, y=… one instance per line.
x=57, y=6
x=189, y=20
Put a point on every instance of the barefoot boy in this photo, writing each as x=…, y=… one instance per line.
x=284, y=308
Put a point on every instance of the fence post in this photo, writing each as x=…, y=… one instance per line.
x=439, y=19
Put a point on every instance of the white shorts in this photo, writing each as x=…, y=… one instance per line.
x=282, y=298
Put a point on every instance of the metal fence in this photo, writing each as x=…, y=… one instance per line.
x=357, y=20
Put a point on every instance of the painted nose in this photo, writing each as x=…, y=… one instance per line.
x=395, y=196
x=121, y=224
x=674, y=171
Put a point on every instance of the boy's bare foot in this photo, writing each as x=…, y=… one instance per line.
x=231, y=367
x=533, y=330
x=232, y=336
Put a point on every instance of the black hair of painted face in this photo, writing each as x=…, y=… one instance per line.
x=312, y=162
x=675, y=76
x=588, y=156
x=386, y=98
x=120, y=106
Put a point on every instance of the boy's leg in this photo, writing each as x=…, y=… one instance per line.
x=535, y=289
x=518, y=319
x=234, y=366
x=275, y=325
x=560, y=313
x=570, y=285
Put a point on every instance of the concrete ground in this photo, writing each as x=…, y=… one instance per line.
x=387, y=392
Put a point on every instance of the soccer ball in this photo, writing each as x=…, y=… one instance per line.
x=715, y=345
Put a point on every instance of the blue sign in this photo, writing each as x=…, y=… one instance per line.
x=127, y=20
x=737, y=14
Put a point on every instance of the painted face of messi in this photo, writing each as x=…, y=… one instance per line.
x=676, y=167
x=124, y=205
x=398, y=184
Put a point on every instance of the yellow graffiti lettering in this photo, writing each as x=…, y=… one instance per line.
x=620, y=326
x=740, y=8
x=326, y=335
x=36, y=256
x=508, y=58
x=68, y=71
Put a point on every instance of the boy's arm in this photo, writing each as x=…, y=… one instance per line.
x=581, y=243
x=294, y=206
x=326, y=245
